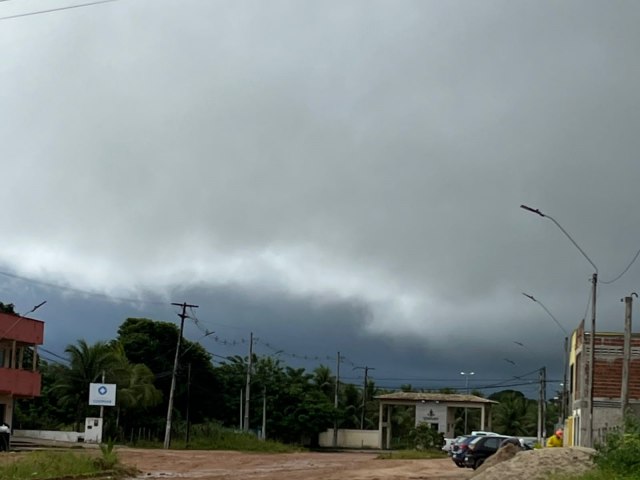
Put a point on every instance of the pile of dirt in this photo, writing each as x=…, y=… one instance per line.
x=505, y=453
x=538, y=464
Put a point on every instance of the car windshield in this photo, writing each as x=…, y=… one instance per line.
x=475, y=440
x=468, y=440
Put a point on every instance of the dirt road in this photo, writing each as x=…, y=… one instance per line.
x=213, y=465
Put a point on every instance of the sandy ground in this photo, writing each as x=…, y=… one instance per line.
x=213, y=465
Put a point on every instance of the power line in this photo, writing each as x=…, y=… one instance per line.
x=78, y=290
x=609, y=282
x=56, y=9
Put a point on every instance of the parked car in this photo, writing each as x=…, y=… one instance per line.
x=529, y=443
x=482, y=432
x=459, y=449
x=481, y=448
x=448, y=443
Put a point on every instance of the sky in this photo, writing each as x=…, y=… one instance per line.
x=335, y=176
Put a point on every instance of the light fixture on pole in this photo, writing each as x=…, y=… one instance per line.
x=466, y=386
x=563, y=410
x=592, y=340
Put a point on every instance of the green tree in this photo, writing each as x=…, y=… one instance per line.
x=515, y=414
x=136, y=391
x=153, y=344
x=7, y=308
x=86, y=365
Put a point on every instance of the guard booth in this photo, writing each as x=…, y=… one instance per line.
x=93, y=430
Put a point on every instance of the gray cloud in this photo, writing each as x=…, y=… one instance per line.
x=364, y=153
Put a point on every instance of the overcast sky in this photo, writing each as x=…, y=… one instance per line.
x=331, y=175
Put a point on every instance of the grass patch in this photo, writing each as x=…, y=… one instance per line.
x=50, y=465
x=212, y=436
x=412, y=455
x=596, y=474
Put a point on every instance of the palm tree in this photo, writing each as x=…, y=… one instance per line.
x=515, y=415
x=325, y=381
x=135, y=384
x=87, y=364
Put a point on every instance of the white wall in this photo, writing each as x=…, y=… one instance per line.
x=350, y=438
x=431, y=412
x=49, y=435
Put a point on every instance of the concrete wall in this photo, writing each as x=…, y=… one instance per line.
x=432, y=413
x=50, y=435
x=350, y=438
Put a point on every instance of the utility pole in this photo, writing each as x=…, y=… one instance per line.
x=364, y=393
x=241, y=414
x=102, y=406
x=565, y=388
x=592, y=357
x=466, y=385
x=188, y=434
x=264, y=412
x=183, y=315
x=335, y=403
x=248, y=387
x=626, y=358
x=542, y=405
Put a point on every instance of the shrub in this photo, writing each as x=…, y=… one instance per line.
x=424, y=437
x=620, y=454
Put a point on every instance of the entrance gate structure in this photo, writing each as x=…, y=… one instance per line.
x=435, y=409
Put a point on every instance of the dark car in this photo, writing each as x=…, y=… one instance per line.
x=459, y=449
x=481, y=448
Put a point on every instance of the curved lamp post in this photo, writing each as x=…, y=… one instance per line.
x=466, y=386
x=592, y=340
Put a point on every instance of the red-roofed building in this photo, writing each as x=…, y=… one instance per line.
x=19, y=340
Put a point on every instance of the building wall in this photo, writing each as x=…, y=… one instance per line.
x=350, y=438
x=608, y=367
x=21, y=329
x=607, y=374
x=433, y=414
x=607, y=379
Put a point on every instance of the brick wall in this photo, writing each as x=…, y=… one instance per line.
x=608, y=366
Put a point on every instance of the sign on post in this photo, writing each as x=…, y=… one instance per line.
x=102, y=394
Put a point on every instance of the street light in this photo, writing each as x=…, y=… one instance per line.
x=592, y=340
x=566, y=353
x=466, y=386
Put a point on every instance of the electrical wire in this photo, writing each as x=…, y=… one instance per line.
x=28, y=14
x=79, y=291
x=609, y=282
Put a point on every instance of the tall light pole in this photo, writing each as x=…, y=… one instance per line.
x=566, y=354
x=592, y=340
x=466, y=386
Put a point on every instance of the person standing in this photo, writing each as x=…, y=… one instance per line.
x=555, y=440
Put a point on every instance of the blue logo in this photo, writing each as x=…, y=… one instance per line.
x=102, y=390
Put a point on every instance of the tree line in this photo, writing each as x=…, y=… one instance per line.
x=297, y=405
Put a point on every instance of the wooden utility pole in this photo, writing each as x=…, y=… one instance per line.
x=335, y=403
x=188, y=434
x=626, y=356
x=541, y=405
x=183, y=315
x=248, y=387
x=364, y=393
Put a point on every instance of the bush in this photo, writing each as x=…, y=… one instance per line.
x=621, y=453
x=424, y=437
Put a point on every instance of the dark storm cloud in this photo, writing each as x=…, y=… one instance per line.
x=369, y=154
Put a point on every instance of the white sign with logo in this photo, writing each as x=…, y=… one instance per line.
x=102, y=394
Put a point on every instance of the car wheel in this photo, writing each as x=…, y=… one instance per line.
x=478, y=463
